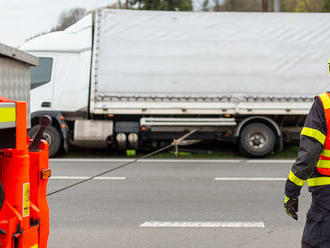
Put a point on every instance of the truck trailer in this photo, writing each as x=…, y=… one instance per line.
x=132, y=79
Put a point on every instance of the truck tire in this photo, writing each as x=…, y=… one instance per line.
x=51, y=135
x=257, y=140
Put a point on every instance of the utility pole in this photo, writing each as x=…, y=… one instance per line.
x=277, y=5
x=264, y=5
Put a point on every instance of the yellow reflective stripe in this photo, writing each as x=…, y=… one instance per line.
x=7, y=114
x=326, y=153
x=314, y=133
x=323, y=164
x=318, y=181
x=296, y=180
x=325, y=100
x=35, y=246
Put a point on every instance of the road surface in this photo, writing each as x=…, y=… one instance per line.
x=184, y=204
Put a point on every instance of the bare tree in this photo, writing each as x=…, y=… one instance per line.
x=69, y=17
x=174, y=5
x=36, y=35
x=205, y=5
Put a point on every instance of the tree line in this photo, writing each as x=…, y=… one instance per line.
x=69, y=17
x=225, y=5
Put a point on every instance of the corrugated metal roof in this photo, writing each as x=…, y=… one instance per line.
x=18, y=55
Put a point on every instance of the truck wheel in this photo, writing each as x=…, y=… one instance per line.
x=51, y=135
x=257, y=140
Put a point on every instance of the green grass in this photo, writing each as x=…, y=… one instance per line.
x=289, y=152
x=213, y=155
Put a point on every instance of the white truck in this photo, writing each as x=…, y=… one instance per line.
x=141, y=78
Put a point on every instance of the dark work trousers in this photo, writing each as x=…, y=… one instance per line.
x=317, y=228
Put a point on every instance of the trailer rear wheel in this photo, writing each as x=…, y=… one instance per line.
x=257, y=140
x=51, y=135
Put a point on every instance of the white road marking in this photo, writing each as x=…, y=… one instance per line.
x=203, y=224
x=149, y=160
x=190, y=161
x=250, y=179
x=252, y=161
x=85, y=177
x=110, y=178
x=89, y=160
x=264, y=161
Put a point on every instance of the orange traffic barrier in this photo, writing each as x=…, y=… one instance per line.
x=24, y=216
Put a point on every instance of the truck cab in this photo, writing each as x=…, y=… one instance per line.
x=60, y=83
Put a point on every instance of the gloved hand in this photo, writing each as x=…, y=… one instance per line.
x=291, y=207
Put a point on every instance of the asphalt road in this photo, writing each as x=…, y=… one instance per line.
x=185, y=204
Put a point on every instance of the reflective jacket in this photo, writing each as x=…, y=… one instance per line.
x=313, y=161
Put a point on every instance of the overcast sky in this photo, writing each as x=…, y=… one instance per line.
x=20, y=19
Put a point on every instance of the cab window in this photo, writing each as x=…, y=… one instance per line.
x=42, y=73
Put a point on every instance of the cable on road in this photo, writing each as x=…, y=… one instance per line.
x=175, y=143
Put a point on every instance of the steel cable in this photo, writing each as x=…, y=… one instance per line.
x=174, y=143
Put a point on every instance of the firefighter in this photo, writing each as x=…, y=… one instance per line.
x=313, y=165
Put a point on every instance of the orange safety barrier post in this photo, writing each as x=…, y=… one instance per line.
x=24, y=216
x=39, y=174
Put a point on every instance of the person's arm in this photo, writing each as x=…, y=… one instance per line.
x=311, y=146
